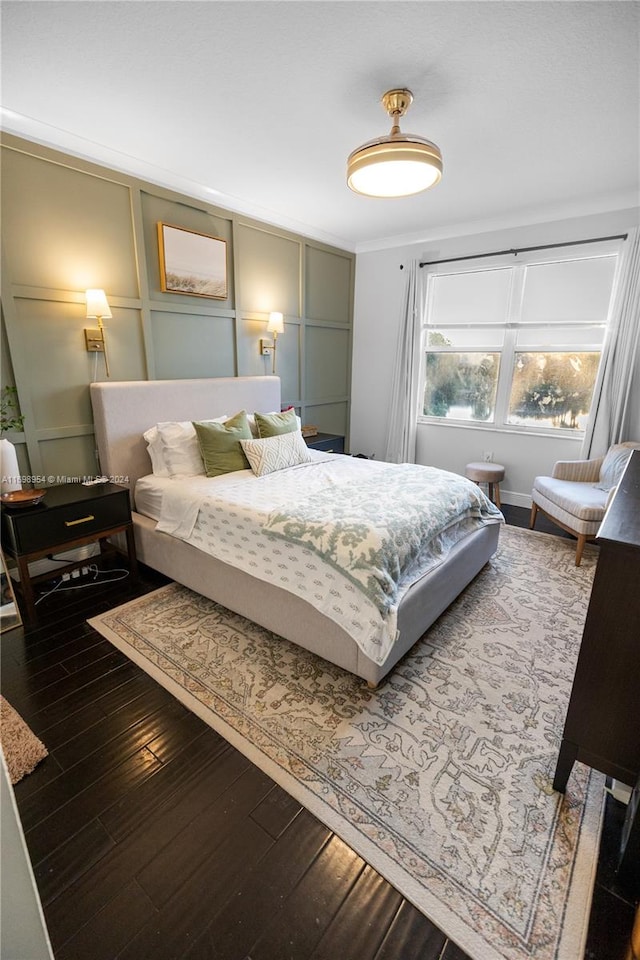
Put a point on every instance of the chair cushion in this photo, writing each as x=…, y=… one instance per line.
x=614, y=463
x=584, y=501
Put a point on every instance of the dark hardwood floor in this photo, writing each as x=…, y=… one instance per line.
x=152, y=837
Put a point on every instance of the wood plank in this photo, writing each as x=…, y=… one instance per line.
x=411, y=935
x=28, y=686
x=90, y=653
x=297, y=927
x=71, y=860
x=188, y=911
x=276, y=812
x=70, y=637
x=347, y=936
x=80, y=696
x=98, y=766
x=610, y=926
x=119, y=698
x=69, y=727
x=453, y=952
x=57, y=828
x=67, y=686
x=93, y=890
x=176, y=737
x=113, y=728
x=173, y=778
x=108, y=932
x=46, y=771
x=198, y=842
x=237, y=923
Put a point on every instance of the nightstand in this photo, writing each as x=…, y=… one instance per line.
x=329, y=442
x=71, y=515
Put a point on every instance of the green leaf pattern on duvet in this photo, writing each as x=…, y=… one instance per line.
x=376, y=530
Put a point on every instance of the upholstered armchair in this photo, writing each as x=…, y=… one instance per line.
x=576, y=495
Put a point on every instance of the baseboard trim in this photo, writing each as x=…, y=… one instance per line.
x=515, y=499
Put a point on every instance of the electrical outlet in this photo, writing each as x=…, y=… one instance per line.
x=487, y=456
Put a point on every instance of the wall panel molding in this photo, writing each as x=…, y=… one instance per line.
x=152, y=333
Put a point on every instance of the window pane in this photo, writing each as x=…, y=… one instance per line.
x=576, y=338
x=568, y=290
x=461, y=386
x=476, y=297
x=486, y=338
x=552, y=389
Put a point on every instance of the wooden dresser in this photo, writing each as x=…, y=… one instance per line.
x=602, y=728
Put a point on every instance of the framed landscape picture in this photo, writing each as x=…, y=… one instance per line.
x=192, y=262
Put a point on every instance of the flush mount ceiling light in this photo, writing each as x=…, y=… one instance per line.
x=398, y=165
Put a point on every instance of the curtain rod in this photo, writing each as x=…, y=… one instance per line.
x=514, y=252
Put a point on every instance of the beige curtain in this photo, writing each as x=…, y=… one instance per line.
x=615, y=410
x=403, y=411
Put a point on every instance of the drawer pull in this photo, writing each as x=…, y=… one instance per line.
x=72, y=523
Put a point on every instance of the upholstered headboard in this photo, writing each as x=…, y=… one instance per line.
x=122, y=411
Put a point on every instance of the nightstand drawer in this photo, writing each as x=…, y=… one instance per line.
x=48, y=525
x=328, y=442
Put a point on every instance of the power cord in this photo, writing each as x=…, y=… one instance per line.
x=99, y=577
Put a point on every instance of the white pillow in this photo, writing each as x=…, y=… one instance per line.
x=154, y=449
x=252, y=421
x=276, y=453
x=180, y=450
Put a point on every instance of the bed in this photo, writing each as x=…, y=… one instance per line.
x=124, y=411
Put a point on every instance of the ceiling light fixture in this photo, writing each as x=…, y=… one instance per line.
x=398, y=165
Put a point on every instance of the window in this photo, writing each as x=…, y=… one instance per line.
x=516, y=344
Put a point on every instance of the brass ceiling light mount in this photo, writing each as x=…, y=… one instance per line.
x=398, y=165
x=396, y=103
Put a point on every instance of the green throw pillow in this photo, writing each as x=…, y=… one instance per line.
x=275, y=424
x=220, y=444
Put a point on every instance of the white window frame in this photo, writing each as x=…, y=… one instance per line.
x=510, y=327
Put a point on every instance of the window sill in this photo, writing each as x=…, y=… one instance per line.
x=549, y=434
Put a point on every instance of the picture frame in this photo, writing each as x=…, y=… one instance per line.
x=192, y=263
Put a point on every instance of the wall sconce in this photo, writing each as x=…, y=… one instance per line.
x=274, y=326
x=97, y=309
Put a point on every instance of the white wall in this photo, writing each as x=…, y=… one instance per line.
x=378, y=303
x=23, y=933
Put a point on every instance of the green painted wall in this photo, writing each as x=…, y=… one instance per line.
x=68, y=225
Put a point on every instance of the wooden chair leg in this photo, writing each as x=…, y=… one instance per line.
x=582, y=539
x=534, y=513
x=497, y=500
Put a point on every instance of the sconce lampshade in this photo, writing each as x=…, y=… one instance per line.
x=276, y=323
x=398, y=165
x=97, y=305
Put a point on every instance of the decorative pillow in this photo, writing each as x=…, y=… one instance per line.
x=251, y=417
x=276, y=453
x=275, y=424
x=219, y=444
x=154, y=449
x=179, y=445
x=613, y=465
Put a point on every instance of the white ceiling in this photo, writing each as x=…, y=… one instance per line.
x=255, y=104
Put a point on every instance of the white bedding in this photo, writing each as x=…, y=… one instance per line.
x=224, y=516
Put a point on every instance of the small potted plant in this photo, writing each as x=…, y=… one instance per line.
x=10, y=419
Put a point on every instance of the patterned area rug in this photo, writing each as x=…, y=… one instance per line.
x=440, y=778
x=21, y=748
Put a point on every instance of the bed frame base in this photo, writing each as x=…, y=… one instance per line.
x=293, y=618
x=124, y=410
